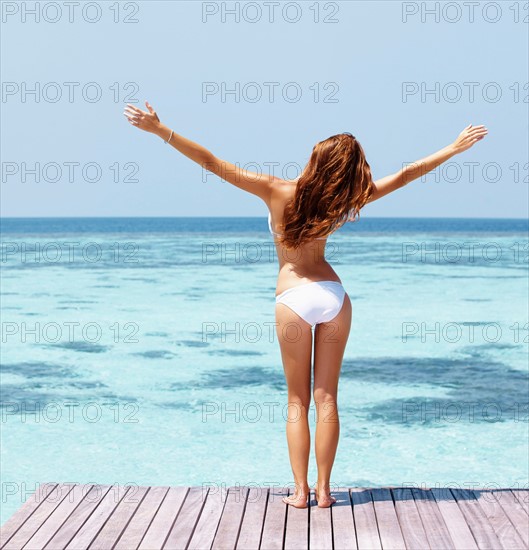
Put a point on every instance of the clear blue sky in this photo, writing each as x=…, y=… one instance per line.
x=171, y=51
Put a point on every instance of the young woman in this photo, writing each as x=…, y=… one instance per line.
x=332, y=189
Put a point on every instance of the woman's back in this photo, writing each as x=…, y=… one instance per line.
x=305, y=263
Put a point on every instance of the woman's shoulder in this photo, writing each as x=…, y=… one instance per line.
x=282, y=181
x=281, y=191
x=283, y=186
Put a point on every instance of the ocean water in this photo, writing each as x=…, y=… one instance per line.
x=143, y=351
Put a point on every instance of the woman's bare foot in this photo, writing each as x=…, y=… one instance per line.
x=326, y=499
x=299, y=499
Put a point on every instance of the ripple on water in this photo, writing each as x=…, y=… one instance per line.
x=52, y=383
x=478, y=389
x=192, y=343
x=83, y=347
x=235, y=352
x=235, y=377
x=155, y=354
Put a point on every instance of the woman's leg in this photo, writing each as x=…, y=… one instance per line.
x=295, y=341
x=330, y=340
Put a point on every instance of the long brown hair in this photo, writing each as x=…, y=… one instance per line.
x=334, y=186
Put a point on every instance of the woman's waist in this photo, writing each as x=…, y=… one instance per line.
x=289, y=278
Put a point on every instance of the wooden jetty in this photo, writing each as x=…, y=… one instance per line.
x=104, y=517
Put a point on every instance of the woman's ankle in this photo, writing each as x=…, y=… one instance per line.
x=302, y=487
x=324, y=486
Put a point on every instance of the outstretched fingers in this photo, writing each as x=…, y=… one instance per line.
x=133, y=114
x=478, y=133
x=134, y=108
x=146, y=120
x=472, y=134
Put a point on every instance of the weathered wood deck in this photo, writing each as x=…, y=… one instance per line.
x=108, y=517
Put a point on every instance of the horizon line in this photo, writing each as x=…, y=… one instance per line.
x=249, y=217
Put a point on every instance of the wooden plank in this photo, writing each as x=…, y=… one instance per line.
x=141, y=520
x=231, y=519
x=87, y=497
x=209, y=519
x=432, y=519
x=13, y=524
x=163, y=520
x=185, y=523
x=55, y=520
x=112, y=530
x=38, y=517
x=454, y=519
x=275, y=518
x=523, y=498
x=515, y=512
x=365, y=519
x=253, y=519
x=101, y=517
x=497, y=517
x=409, y=519
x=297, y=526
x=387, y=521
x=89, y=530
x=343, y=526
x=477, y=521
x=320, y=533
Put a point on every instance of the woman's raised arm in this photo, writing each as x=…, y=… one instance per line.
x=252, y=182
x=465, y=140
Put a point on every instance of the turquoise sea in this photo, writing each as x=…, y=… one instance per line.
x=143, y=351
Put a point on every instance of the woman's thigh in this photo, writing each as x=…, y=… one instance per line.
x=330, y=340
x=295, y=342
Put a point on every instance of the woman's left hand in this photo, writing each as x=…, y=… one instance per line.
x=143, y=120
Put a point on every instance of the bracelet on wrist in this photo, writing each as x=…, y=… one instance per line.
x=171, y=135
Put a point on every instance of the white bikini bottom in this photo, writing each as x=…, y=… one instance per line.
x=317, y=302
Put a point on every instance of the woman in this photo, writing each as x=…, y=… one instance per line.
x=333, y=187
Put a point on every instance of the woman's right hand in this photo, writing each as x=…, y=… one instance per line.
x=469, y=136
x=143, y=120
